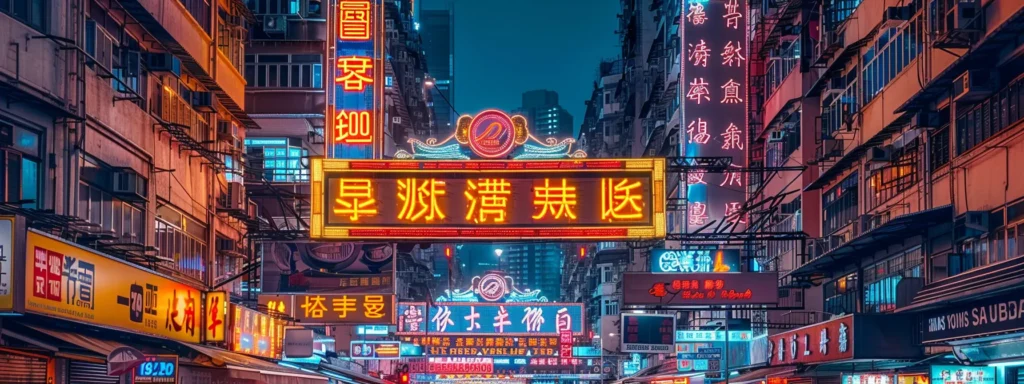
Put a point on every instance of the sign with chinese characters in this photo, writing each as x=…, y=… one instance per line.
x=695, y=260
x=642, y=333
x=524, y=319
x=355, y=92
x=823, y=342
x=372, y=330
x=216, y=315
x=487, y=345
x=302, y=266
x=1001, y=314
x=488, y=199
x=70, y=282
x=867, y=378
x=565, y=344
x=157, y=369
x=714, y=107
x=333, y=308
x=377, y=350
x=6, y=263
x=961, y=374
x=691, y=336
x=453, y=365
x=699, y=289
x=256, y=333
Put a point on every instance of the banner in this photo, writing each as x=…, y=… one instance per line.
x=70, y=282
x=256, y=333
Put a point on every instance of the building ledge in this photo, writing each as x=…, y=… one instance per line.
x=898, y=228
x=972, y=285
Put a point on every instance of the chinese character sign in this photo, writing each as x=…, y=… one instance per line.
x=653, y=290
x=215, y=311
x=355, y=80
x=256, y=333
x=334, y=308
x=67, y=281
x=695, y=260
x=488, y=345
x=823, y=342
x=714, y=98
x=488, y=199
x=490, y=318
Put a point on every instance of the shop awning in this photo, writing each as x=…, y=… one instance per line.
x=349, y=376
x=896, y=229
x=763, y=373
x=245, y=367
x=975, y=284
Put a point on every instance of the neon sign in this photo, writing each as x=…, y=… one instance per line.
x=491, y=134
x=694, y=261
x=488, y=200
x=355, y=95
x=493, y=287
x=525, y=319
x=714, y=101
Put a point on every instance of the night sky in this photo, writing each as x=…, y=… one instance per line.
x=506, y=47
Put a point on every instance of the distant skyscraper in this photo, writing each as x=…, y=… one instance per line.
x=437, y=27
x=545, y=116
x=536, y=266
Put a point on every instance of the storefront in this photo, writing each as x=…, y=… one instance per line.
x=853, y=349
x=987, y=338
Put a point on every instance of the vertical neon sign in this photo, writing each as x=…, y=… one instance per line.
x=355, y=77
x=714, y=113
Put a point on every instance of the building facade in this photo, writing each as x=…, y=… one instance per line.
x=437, y=27
x=545, y=117
x=535, y=266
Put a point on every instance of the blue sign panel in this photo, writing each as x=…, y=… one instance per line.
x=490, y=318
x=695, y=260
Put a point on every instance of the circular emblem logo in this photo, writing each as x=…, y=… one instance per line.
x=491, y=287
x=491, y=134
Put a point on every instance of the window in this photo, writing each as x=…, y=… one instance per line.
x=200, y=11
x=783, y=60
x=836, y=12
x=881, y=279
x=891, y=53
x=228, y=265
x=840, y=204
x=30, y=12
x=284, y=71
x=282, y=161
x=895, y=177
x=231, y=39
x=838, y=107
x=778, y=153
x=939, y=141
x=181, y=243
x=106, y=213
x=840, y=295
x=986, y=118
x=20, y=168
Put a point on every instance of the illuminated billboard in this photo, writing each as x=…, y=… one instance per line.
x=483, y=345
x=355, y=93
x=524, y=319
x=714, y=108
x=667, y=290
x=695, y=260
x=488, y=199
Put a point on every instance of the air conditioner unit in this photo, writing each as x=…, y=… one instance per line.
x=275, y=24
x=972, y=85
x=925, y=119
x=966, y=11
x=881, y=154
x=236, y=197
x=163, y=62
x=831, y=148
x=204, y=102
x=227, y=130
x=895, y=16
x=128, y=184
x=776, y=136
x=976, y=221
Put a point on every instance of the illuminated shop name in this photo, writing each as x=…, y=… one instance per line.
x=700, y=289
x=978, y=316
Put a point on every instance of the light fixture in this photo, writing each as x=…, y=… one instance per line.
x=498, y=252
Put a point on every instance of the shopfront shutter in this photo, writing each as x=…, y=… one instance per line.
x=17, y=369
x=89, y=373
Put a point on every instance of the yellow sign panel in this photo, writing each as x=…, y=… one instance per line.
x=215, y=313
x=6, y=263
x=66, y=281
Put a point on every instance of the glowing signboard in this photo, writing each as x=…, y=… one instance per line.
x=651, y=290
x=256, y=333
x=333, y=308
x=157, y=369
x=492, y=287
x=522, y=319
x=714, y=106
x=487, y=345
x=644, y=333
x=488, y=200
x=355, y=93
x=376, y=350
x=695, y=260
x=959, y=374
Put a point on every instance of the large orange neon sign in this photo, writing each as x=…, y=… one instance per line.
x=488, y=199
